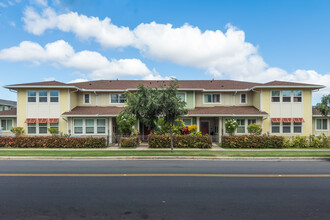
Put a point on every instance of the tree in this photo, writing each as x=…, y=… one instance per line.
x=150, y=104
x=17, y=131
x=172, y=107
x=324, y=106
x=125, y=122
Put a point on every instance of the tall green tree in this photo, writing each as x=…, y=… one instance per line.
x=150, y=104
x=324, y=106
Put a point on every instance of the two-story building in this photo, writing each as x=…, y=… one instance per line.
x=90, y=108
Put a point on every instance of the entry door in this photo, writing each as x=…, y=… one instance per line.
x=204, y=127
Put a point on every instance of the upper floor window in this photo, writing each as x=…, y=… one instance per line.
x=243, y=98
x=211, y=98
x=43, y=96
x=321, y=124
x=87, y=99
x=181, y=95
x=32, y=95
x=297, y=94
x=286, y=95
x=54, y=96
x=276, y=96
x=118, y=98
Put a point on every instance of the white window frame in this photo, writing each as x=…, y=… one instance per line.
x=245, y=124
x=240, y=98
x=322, y=124
x=6, y=128
x=271, y=96
x=291, y=93
x=50, y=96
x=89, y=99
x=293, y=123
x=27, y=96
x=211, y=103
x=36, y=127
x=185, y=95
x=293, y=96
x=282, y=124
x=84, y=126
x=105, y=126
x=38, y=131
x=279, y=126
x=116, y=103
x=47, y=92
x=191, y=121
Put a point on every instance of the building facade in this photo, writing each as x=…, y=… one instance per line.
x=90, y=108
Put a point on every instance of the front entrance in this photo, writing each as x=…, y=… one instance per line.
x=205, y=127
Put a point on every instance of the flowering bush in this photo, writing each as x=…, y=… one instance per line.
x=180, y=141
x=254, y=129
x=52, y=142
x=17, y=131
x=252, y=141
x=231, y=125
x=128, y=142
x=125, y=123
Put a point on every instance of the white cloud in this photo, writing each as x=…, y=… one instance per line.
x=49, y=79
x=223, y=54
x=3, y=5
x=78, y=80
x=43, y=3
x=90, y=62
x=10, y=3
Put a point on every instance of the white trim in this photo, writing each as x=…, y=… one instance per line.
x=194, y=99
x=45, y=87
x=8, y=116
x=321, y=129
x=185, y=95
x=90, y=98
x=211, y=103
x=95, y=127
x=79, y=116
x=116, y=103
x=12, y=124
x=223, y=115
x=240, y=99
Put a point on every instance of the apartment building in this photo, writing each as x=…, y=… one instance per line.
x=90, y=108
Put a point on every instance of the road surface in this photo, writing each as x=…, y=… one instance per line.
x=240, y=190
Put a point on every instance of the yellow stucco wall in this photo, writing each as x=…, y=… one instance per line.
x=21, y=108
x=64, y=106
x=307, y=112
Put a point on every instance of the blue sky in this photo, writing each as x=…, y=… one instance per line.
x=243, y=40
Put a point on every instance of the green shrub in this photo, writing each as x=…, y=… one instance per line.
x=231, y=125
x=300, y=142
x=128, y=142
x=254, y=129
x=52, y=142
x=53, y=131
x=180, y=141
x=252, y=141
x=17, y=131
x=125, y=123
x=287, y=143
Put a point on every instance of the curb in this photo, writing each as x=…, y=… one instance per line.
x=172, y=158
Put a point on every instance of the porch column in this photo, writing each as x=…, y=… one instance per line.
x=220, y=129
x=110, y=129
x=198, y=124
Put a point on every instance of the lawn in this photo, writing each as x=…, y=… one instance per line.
x=107, y=153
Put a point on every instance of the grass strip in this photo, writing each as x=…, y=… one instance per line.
x=108, y=153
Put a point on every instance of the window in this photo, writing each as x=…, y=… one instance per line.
x=212, y=98
x=43, y=96
x=118, y=98
x=275, y=127
x=297, y=127
x=89, y=126
x=286, y=95
x=252, y=121
x=243, y=98
x=187, y=121
x=181, y=96
x=6, y=125
x=297, y=94
x=42, y=128
x=276, y=96
x=53, y=125
x=32, y=95
x=32, y=128
x=78, y=126
x=321, y=124
x=86, y=98
x=53, y=96
x=286, y=127
x=241, y=126
x=101, y=126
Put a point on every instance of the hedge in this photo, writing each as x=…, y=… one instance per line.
x=128, y=142
x=252, y=141
x=52, y=142
x=180, y=141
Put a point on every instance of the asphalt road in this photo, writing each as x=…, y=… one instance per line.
x=163, y=197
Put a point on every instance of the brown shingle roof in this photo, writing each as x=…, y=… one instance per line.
x=44, y=83
x=9, y=112
x=93, y=110
x=226, y=110
x=183, y=84
x=317, y=112
x=284, y=83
